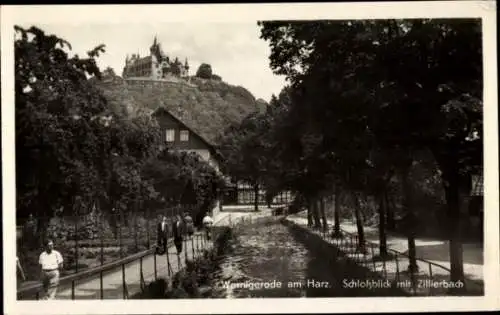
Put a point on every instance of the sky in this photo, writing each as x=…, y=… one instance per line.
x=234, y=50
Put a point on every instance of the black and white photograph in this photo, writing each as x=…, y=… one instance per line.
x=158, y=152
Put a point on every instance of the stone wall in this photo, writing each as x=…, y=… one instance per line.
x=171, y=81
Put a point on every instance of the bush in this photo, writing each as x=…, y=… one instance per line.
x=204, y=71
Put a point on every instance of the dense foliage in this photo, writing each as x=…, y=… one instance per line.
x=371, y=96
x=204, y=71
x=75, y=150
x=372, y=107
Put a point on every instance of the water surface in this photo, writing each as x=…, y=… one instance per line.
x=274, y=260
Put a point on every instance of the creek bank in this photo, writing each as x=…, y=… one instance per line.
x=196, y=279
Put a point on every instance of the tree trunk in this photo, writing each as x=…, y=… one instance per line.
x=454, y=228
x=336, y=214
x=359, y=224
x=381, y=227
x=391, y=223
x=309, y=211
x=410, y=223
x=448, y=164
x=317, y=221
x=269, y=200
x=323, y=213
x=256, y=199
x=42, y=222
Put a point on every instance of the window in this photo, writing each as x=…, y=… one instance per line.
x=170, y=135
x=184, y=135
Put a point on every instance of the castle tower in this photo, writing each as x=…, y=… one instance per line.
x=156, y=58
x=156, y=66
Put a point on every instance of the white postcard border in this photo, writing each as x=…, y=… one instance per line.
x=234, y=13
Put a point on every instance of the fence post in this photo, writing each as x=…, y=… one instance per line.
x=76, y=238
x=430, y=278
x=413, y=281
x=192, y=244
x=154, y=260
x=101, y=237
x=168, y=260
x=120, y=240
x=384, y=266
x=179, y=264
x=141, y=275
x=148, y=223
x=136, y=228
x=345, y=241
x=397, y=267
x=124, y=283
x=197, y=243
x=373, y=256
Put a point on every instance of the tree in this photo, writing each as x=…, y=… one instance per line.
x=244, y=150
x=53, y=108
x=397, y=81
x=204, y=71
x=72, y=150
x=183, y=179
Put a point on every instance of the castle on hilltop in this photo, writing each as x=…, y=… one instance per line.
x=156, y=66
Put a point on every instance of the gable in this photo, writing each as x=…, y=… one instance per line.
x=167, y=120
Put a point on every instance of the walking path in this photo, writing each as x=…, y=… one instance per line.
x=432, y=250
x=228, y=218
x=113, y=280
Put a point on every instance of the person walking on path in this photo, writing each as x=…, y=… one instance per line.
x=188, y=221
x=162, y=232
x=178, y=233
x=207, y=224
x=51, y=262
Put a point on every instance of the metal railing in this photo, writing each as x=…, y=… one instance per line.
x=430, y=279
x=89, y=277
x=78, y=238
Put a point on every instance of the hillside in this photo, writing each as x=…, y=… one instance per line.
x=206, y=106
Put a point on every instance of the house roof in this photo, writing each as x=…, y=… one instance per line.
x=200, y=135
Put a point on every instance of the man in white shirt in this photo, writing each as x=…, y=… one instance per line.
x=50, y=261
x=207, y=223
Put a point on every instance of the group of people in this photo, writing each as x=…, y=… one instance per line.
x=179, y=227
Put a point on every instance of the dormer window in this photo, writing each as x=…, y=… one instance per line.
x=170, y=135
x=184, y=135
